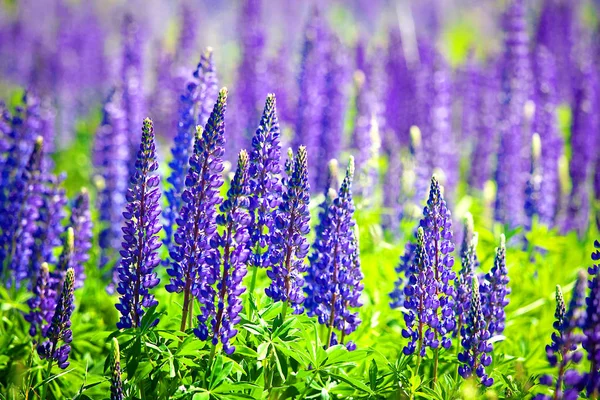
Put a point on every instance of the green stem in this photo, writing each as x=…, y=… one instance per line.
x=284, y=311
x=436, y=359
x=46, y=377
x=251, y=290
x=303, y=395
x=209, y=366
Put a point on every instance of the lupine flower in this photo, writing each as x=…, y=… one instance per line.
x=513, y=154
x=49, y=222
x=131, y=83
x=311, y=88
x=403, y=270
x=533, y=189
x=226, y=265
x=81, y=223
x=585, y=123
x=191, y=111
x=140, y=240
x=289, y=245
x=197, y=217
x=110, y=162
x=437, y=228
x=420, y=301
x=116, y=384
x=265, y=187
x=464, y=281
x=59, y=330
x=334, y=265
x=475, y=336
x=495, y=291
x=329, y=194
x=42, y=303
x=332, y=118
x=546, y=125
x=591, y=327
x=18, y=217
x=563, y=352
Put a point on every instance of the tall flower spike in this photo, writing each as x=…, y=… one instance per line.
x=265, y=187
x=591, y=326
x=329, y=194
x=59, y=330
x=334, y=263
x=226, y=265
x=197, y=217
x=403, y=270
x=564, y=350
x=437, y=228
x=420, y=301
x=495, y=291
x=81, y=223
x=513, y=154
x=42, y=303
x=475, y=342
x=140, y=235
x=193, y=110
x=111, y=168
x=18, y=218
x=464, y=281
x=116, y=384
x=289, y=245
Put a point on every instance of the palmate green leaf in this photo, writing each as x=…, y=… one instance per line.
x=355, y=383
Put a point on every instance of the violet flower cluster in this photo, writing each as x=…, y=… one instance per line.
x=116, y=383
x=464, y=281
x=265, y=186
x=475, y=342
x=59, y=330
x=289, y=245
x=337, y=280
x=81, y=223
x=495, y=290
x=197, y=216
x=139, y=255
x=221, y=286
x=591, y=328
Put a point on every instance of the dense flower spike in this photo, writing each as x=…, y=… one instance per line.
x=564, y=350
x=403, y=269
x=110, y=161
x=437, y=228
x=334, y=265
x=59, y=330
x=81, y=222
x=289, y=245
x=17, y=219
x=193, y=110
x=591, y=327
x=226, y=265
x=140, y=235
x=475, y=342
x=265, y=187
x=116, y=384
x=495, y=291
x=511, y=170
x=464, y=281
x=420, y=301
x=42, y=303
x=197, y=217
x=546, y=125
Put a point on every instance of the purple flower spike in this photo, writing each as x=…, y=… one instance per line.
x=42, y=303
x=289, y=245
x=336, y=265
x=81, y=223
x=221, y=287
x=464, y=281
x=437, y=227
x=564, y=350
x=59, y=330
x=475, y=333
x=495, y=291
x=591, y=326
x=116, y=383
x=140, y=235
x=193, y=110
x=403, y=270
x=265, y=187
x=111, y=166
x=18, y=219
x=197, y=217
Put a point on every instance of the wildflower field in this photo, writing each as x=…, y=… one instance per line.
x=281, y=199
